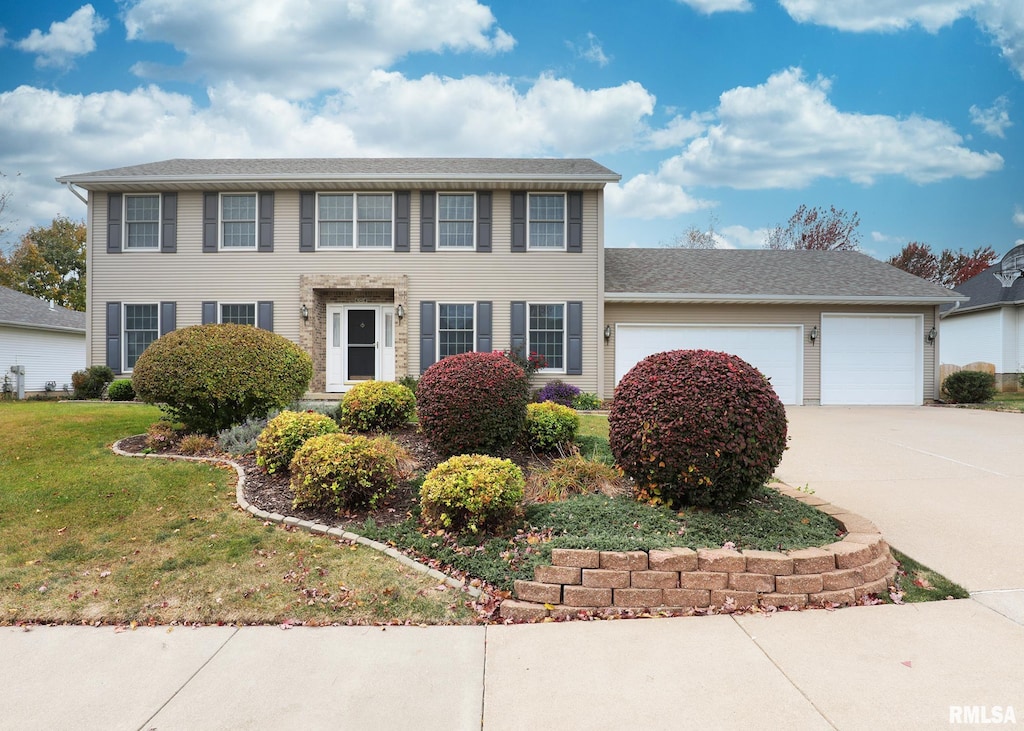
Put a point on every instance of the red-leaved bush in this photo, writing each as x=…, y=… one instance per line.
x=472, y=403
x=696, y=427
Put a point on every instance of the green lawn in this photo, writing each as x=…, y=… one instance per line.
x=92, y=537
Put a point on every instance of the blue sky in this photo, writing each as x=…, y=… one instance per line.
x=733, y=111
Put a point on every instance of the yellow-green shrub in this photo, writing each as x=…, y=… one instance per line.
x=549, y=424
x=285, y=433
x=377, y=406
x=471, y=492
x=337, y=471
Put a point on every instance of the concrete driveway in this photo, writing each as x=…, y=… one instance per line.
x=944, y=485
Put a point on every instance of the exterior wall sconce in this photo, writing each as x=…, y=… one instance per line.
x=814, y=334
x=400, y=312
x=932, y=334
x=607, y=333
x=304, y=311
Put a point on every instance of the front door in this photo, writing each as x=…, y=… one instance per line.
x=360, y=345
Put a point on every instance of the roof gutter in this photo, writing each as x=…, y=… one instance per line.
x=787, y=299
x=303, y=177
x=36, y=326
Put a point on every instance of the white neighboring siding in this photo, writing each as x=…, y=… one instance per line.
x=1019, y=314
x=973, y=338
x=46, y=355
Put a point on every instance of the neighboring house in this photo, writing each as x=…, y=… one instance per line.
x=989, y=328
x=48, y=341
x=379, y=267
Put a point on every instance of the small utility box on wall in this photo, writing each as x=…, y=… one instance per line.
x=18, y=379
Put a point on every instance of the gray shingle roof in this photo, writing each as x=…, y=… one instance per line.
x=764, y=275
x=395, y=168
x=986, y=290
x=25, y=311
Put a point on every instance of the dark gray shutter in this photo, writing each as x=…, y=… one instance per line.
x=428, y=230
x=483, y=221
x=575, y=205
x=169, y=224
x=428, y=336
x=307, y=221
x=211, y=213
x=266, y=221
x=517, y=333
x=574, y=339
x=402, y=222
x=265, y=316
x=484, y=335
x=519, y=222
x=168, y=317
x=114, y=223
x=209, y=313
x=114, y=336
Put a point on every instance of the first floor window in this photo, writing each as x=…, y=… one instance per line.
x=454, y=329
x=142, y=222
x=455, y=220
x=547, y=334
x=244, y=314
x=238, y=221
x=547, y=221
x=141, y=327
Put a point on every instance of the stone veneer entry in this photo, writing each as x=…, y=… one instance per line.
x=680, y=579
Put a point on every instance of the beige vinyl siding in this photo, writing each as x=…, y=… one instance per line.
x=190, y=277
x=725, y=314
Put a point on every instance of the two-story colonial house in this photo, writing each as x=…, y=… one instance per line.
x=380, y=267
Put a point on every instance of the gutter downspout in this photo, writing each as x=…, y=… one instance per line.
x=71, y=186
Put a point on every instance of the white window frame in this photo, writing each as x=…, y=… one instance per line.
x=355, y=220
x=124, y=331
x=127, y=223
x=255, y=221
x=472, y=305
x=565, y=223
x=222, y=305
x=565, y=337
x=438, y=221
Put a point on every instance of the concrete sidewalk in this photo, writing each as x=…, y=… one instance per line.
x=863, y=667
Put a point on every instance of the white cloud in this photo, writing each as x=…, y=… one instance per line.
x=296, y=49
x=66, y=39
x=1004, y=21
x=678, y=130
x=880, y=238
x=741, y=237
x=718, y=6
x=993, y=120
x=786, y=133
x=1018, y=216
x=592, y=51
x=645, y=196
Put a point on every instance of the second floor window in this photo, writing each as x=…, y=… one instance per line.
x=355, y=220
x=142, y=222
x=547, y=221
x=455, y=220
x=238, y=221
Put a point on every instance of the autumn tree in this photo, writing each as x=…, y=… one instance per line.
x=49, y=263
x=695, y=238
x=816, y=228
x=949, y=268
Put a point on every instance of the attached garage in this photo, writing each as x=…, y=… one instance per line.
x=776, y=350
x=871, y=359
x=826, y=327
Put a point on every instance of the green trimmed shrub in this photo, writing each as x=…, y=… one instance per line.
x=587, y=402
x=285, y=433
x=549, y=425
x=91, y=382
x=338, y=471
x=121, y=390
x=696, y=427
x=472, y=402
x=471, y=492
x=212, y=376
x=969, y=387
x=376, y=406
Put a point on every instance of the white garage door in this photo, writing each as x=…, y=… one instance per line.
x=775, y=350
x=871, y=359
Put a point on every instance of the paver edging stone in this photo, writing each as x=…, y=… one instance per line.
x=835, y=574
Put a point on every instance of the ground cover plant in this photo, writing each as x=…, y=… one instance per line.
x=94, y=537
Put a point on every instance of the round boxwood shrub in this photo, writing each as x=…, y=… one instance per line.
x=377, y=406
x=558, y=392
x=471, y=492
x=472, y=402
x=121, y=390
x=969, y=387
x=285, y=433
x=549, y=425
x=212, y=376
x=696, y=427
x=338, y=471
